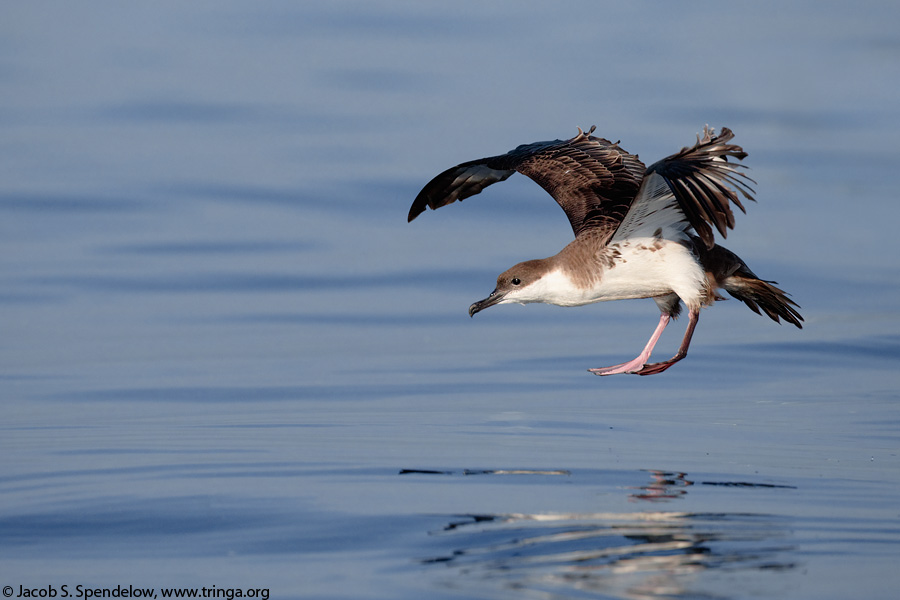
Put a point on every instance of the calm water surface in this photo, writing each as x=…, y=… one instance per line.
x=228, y=361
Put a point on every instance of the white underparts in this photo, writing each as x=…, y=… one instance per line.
x=642, y=268
x=650, y=267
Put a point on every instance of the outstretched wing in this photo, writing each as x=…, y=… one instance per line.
x=696, y=187
x=592, y=179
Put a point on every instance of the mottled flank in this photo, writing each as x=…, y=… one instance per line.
x=655, y=246
x=609, y=256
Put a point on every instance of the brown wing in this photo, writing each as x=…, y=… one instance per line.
x=704, y=183
x=592, y=179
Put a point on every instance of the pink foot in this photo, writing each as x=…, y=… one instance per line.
x=659, y=367
x=632, y=366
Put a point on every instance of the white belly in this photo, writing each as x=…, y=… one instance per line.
x=637, y=272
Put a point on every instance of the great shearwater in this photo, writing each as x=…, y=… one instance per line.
x=639, y=232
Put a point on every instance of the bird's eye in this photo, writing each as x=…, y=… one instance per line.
x=516, y=281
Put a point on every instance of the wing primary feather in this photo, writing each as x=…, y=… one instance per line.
x=711, y=204
x=457, y=183
x=705, y=184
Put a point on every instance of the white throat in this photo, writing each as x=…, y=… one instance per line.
x=555, y=287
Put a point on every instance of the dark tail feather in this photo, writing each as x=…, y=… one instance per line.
x=763, y=297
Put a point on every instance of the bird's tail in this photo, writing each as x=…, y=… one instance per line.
x=726, y=270
x=763, y=297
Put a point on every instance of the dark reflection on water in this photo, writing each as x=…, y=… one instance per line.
x=666, y=486
x=663, y=486
x=629, y=555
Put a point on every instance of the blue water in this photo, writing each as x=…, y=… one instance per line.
x=227, y=360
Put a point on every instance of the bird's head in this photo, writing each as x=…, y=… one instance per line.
x=521, y=284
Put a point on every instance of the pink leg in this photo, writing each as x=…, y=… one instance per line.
x=633, y=366
x=659, y=367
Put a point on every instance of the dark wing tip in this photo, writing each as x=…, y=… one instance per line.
x=457, y=183
x=431, y=194
x=418, y=207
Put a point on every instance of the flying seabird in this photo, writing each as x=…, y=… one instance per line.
x=639, y=232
